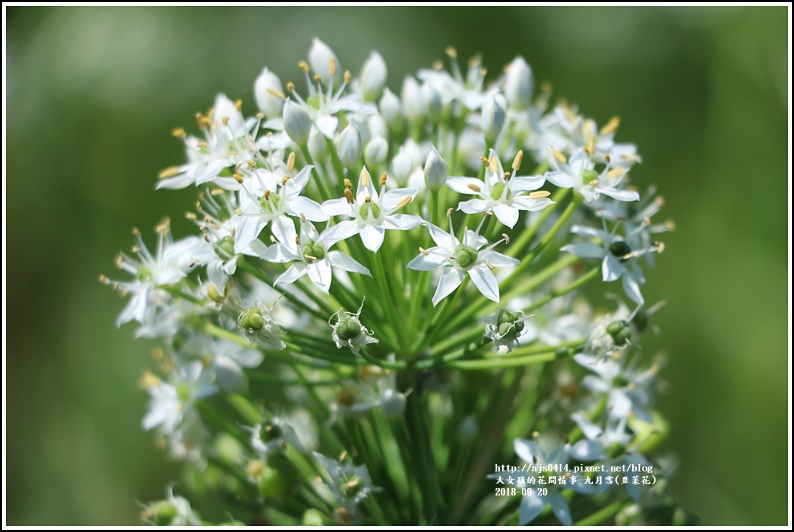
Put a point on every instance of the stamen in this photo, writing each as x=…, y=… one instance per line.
x=164, y=226
x=349, y=196
x=348, y=184
x=451, y=52
x=539, y=194
x=423, y=251
x=275, y=92
x=178, y=132
x=332, y=66
x=291, y=162
x=383, y=177
x=347, y=77
x=216, y=192
x=365, y=178
x=519, y=158
x=171, y=171
x=303, y=65
x=560, y=157
x=616, y=172
x=291, y=86
x=506, y=238
x=474, y=187
x=318, y=79
x=405, y=201
x=611, y=126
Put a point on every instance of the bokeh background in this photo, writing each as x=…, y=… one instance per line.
x=93, y=93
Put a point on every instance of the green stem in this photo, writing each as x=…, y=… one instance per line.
x=514, y=361
x=425, y=464
x=606, y=512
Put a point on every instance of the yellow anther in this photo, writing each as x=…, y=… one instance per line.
x=178, y=132
x=423, y=251
x=104, y=280
x=348, y=184
x=484, y=160
x=200, y=120
x=136, y=231
x=164, y=226
x=659, y=247
x=348, y=77
x=405, y=201
x=560, y=157
x=216, y=192
x=171, y=171
x=670, y=225
x=291, y=162
x=332, y=66
x=593, y=183
x=284, y=180
x=368, y=199
x=238, y=104
x=303, y=65
x=238, y=212
x=318, y=78
x=451, y=52
x=148, y=380
x=474, y=187
x=449, y=212
x=506, y=237
x=365, y=178
x=616, y=172
x=570, y=115
x=349, y=196
x=607, y=158
x=539, y=194
x=202, y=144
x=438, y=65
x=493, y=164
x=611, y=126
x=383, y=177
x=238, y=178
x=267, y=194
x=260, y=115
x=251, y=163
x=591, y=145
x=659, y=201
x=290, y=86
x=519, y=158
x=275, y=92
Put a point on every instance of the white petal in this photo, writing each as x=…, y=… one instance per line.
x=327, y=125
x=498, y=260
x=309, y=208
x=579, y=161
x=295, y=184
x=560, y=507
x=527, y=450
x=403, y=222
x=590, y=430
x=587, y=450
x=229, y=375
x=632, y=288
x=449, y=281
x=442, y=238
x=474, y=206
x=485, y=281
x=611, y=268
x=372, y=236
x=347, y=263
x=559, y=179
x=393, y=197
x=320, y=274
x=293, y=273
x=619, y=405
x=283, y=228
x=429, y=262
x=338, y=207
x=585, y=250
x=525, y=203
x=530, y=508
x=506, y=214
x=341, y=231
x=216, y=275
x=462, y=185
x=620, y=195
x=592, y=232
x=248, y=231
x=520, y=184
x=279, y=253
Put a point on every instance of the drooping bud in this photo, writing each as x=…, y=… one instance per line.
x=436, y=170
x=269, y=94
x=297, y=123
x=324, y=63
x=493, y=117
x=519, y=85
x=391, y=110
x=413, y=103
x=349, y=147
x=373, y=77
x=376, y=152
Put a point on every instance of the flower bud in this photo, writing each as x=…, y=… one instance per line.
x=376, y=152
x=519, y=84
x=391, y=109
x=509, y=324
x=373, y=77
x=413, y=103
x=269, y=94
x=226, y=115
x=349, y=147
x=377, y=126
x=436, y=171
x=318, y=145
x=313, y=517
x=432, y=100
x=162, y=513
x=324, y=63
x=297, y=123
x=620, y=332
x=402, y=166
x=466, y=256
x=493, y=117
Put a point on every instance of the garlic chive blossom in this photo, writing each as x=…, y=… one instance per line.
x=372, y=213
x=501, y=192
x=457, y=259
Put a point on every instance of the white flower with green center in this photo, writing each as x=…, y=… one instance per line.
x=504, y=328
x=267, y=197
x=348, y=331
x=501, y=193
x=349, y=483
x=579, y=173
x=310, y=255
x=226, y=143
x=171, y=402
x=372, y=213
x=457, y=259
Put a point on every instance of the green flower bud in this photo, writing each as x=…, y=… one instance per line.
x=314, y=251
x=465, y=255
x=508, y=323
x=226, y=246
x=619, y=249
x=641, y=320
x=313, y=517
x=252, y=319
x=620, y=332
x=162, y=513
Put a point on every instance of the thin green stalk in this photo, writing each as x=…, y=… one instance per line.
x=601, y=515
x=511, y=362
x=426, y=473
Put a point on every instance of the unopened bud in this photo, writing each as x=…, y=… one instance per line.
x=297, y=123
x=269, y=94
x=413, y=103
x=436, y=171
x=373, y=77
x=349, y=147
x=391, y=110
x=376, y=152
x=519, y=85
x=324, y=62
x=493, y=117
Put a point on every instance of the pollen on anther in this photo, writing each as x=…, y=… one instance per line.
x=290, y=86
x=347, y=183
x=238, y=178
x=178, y=132
x=332, y=66
x=560, y=157
x=383, y=178
x=519, y=158
x=611, y=126
x=275, y=92
x=539, y=194
x=303, y=65
x=506, y=237
x=238, y=104
x=405, y=201
x=171, y=171
x=474, y=187
x=347, y=77
x=349, y=196
x=284, y=180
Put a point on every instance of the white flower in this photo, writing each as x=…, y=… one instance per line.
x=268, y=197
x=324, y=62
x=500, y=193
x=273, y=435
x=348, y=331
x=171, y=402
x=228, y=361
x=372, y=213
x=504, y=328
x=454, y=87
x=458, y=259
x=618, y=258
x=578, y=173
x=310, y=254
x=350, y=484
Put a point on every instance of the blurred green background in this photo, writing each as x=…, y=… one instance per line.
x=94, y=92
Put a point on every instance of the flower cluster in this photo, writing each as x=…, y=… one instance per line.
x=337, y=191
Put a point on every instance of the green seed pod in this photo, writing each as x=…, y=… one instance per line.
x=368, y=207
x=252, y=319
x=620, y=332
x=465, y=255
x=641, y=320
x=498, y=190
x=619, y=249
x=508, y=323
x=348, y=327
